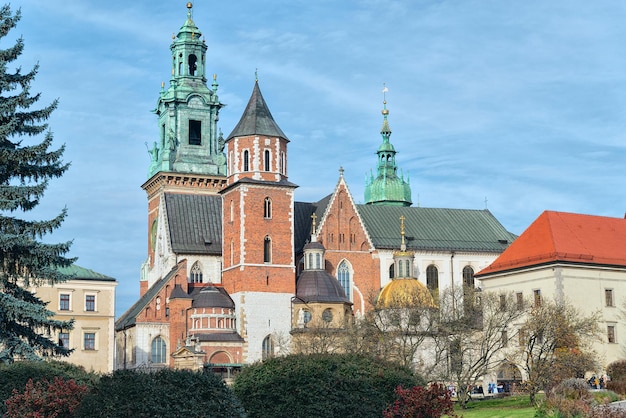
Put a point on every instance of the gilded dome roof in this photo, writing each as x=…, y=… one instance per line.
x=405, y=293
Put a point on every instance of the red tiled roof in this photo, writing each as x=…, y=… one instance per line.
x=567, y=237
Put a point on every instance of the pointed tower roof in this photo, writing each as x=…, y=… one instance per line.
x=387, y=188
x=257, y=118
x=565, y=237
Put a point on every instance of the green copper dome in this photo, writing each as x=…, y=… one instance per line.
x=387, y=188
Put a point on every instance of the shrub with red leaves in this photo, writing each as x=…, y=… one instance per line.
x=58, y=398
x=432, y=401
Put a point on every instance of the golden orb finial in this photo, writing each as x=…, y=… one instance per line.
x=189, y=5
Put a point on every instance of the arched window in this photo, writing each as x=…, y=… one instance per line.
x=266, y=160
x=267, y=348
x=246, y=162
x=267, y=208
x=310, y=265
x=318, y=261
x=432, y=277
x=195, y=276
x=192, y=64
x=327, y=315
x=468, y=276
x=400, y=269
x=343, y=275
x=159, y=350
x=408, y=268
x=267, y=250
x=232, y=211
x=391, y=271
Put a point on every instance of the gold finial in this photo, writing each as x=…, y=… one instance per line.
x=193, y=34
x=314, y=225
x=162, y=85
x=214, y=77
x=189, y=5
x=385, y=90
x=173, y=35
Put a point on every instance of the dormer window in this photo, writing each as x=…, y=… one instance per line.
x=195, y=132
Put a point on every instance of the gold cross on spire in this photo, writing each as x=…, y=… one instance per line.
x=313, y=226
x=402, y=218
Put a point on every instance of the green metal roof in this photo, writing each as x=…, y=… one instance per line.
x=435, y=229
x=82, y=273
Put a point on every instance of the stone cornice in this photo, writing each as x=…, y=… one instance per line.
x=163, y=181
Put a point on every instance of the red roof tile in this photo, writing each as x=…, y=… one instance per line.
x=568, y=237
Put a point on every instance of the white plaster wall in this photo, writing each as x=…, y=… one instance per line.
x=144, y=335
x=260, y=314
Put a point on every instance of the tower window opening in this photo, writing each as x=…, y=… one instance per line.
x=267, y=250
x=195, y=132
x=267, y=160
x=246, y=160
x=267, y=208
x=196, y=273
x=192, y=64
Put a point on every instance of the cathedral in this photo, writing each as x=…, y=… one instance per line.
x=236, y=265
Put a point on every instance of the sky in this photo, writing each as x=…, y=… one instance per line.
x=514, y=106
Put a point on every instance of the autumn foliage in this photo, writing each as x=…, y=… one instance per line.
x=58, y=398
x=421, y=402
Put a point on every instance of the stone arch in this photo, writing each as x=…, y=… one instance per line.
x=221, y=357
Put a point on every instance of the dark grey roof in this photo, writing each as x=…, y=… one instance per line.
x=257, y=119
x=129, y=317
x=211, y=297
x=195, y=223
x=435, y=229
x=302, y=220
x=319, y=286
x=220, y=337
x=179, y=293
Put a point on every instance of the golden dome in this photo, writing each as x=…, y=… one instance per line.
x=405, y=293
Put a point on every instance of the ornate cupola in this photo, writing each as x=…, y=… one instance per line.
x=387, y=188
x=188, y=111
x=404, y=290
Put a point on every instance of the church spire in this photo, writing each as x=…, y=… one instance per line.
x=188, y=111
x=387, y=188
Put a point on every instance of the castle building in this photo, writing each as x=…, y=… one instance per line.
x=232, y=261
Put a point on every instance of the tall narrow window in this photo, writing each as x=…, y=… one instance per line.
x=520, y=301
x=195, y=275
x=64, y=302
x=318, y=261
x=267, y=349
x=343, y=275
x=267, y=250
x=282, y=163
x=468, y=276
x=267, y=208
x=266, y=160
x=608, y=297
x=192, y=64
x=195, y=132
x=504, y=339
x=90, y=341
x=90, y=303
x=158, y=350
x=310, y=265
x=503, y=302
x=246, y=162
x=537, y=297
x=432, y=277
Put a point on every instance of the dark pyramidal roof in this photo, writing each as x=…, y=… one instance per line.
x=257, y=119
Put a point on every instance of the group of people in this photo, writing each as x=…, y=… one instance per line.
x=597, y=383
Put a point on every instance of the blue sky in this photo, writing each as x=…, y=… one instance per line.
x=516, y=105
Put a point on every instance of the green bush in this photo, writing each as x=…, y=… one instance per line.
x=175, y=393
x=16, y=375
x=321, y=385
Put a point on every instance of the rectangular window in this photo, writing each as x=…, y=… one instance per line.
x=64, y=339
x=608, y=297
x=502, y=302
x=90, y=303
x=64, y=302
x=505, y=339
x=520, y=301
x=610, y=333
x=90, y=341
x=537, y=295
x=195, y=132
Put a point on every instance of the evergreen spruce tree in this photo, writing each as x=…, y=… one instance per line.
x=25, y=261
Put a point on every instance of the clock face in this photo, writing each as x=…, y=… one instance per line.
x=153, y=233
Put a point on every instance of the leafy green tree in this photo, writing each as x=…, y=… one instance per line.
x=165, y=393
x=321, y=385
x=24, y=174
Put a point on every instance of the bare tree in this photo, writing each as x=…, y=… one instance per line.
x=555, y=344
x=472, y=334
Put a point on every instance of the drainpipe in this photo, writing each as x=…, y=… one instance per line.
x=452, y=280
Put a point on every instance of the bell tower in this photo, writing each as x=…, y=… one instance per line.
x=188, y=111
x=258, y=229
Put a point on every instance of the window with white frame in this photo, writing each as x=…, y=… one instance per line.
x=158, y=352
x=90, y=303
x=267, y=348
x=610, y=334
x=608, y=297
x=89, y=341
x=195, y=275
x=64, y=302
x=64, y=339
x=343, y=276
